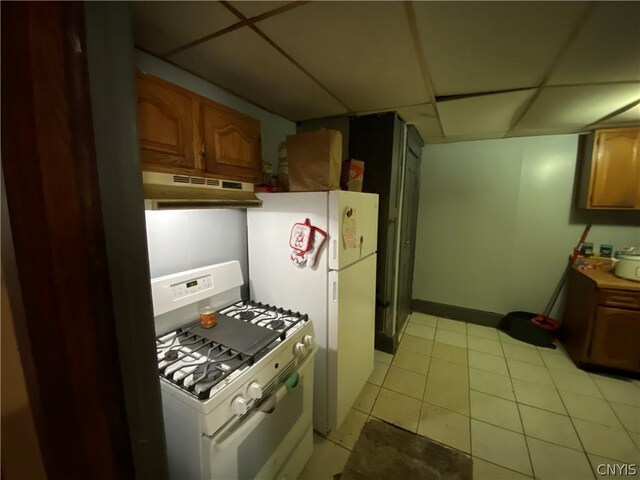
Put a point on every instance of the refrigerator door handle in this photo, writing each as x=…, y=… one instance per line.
x=335, y=249
x=335, y=291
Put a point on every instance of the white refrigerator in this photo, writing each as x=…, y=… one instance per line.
x=338, y=293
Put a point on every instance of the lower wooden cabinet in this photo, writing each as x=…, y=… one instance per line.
x=615, y=341
x=601, y=324
x=184, y=133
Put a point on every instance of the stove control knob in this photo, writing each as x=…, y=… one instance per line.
x=239, y=405
x=299, y=349
x=309, y=341
x=254, y=390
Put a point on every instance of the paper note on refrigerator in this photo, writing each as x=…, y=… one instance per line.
x=349, y=228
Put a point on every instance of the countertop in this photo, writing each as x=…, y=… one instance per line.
x=608, y=280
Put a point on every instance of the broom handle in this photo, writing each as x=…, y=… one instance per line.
x=556, y=292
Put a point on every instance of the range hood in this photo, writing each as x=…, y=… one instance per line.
x=163, y=191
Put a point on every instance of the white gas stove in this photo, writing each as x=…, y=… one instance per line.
x=237, y=397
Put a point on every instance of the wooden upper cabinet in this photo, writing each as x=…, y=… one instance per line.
x=184, y=133
x=165, y=125
x=231, y=142
x=614, y=170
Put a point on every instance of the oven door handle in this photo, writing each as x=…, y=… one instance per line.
x=225, y=438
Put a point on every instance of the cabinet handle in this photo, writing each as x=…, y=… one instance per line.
x=203, y=151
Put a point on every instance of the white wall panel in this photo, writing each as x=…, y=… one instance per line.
x=494, y=222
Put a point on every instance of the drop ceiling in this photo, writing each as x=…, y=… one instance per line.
x=457, y=70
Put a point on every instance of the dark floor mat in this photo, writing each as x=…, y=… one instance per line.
x=386, y=452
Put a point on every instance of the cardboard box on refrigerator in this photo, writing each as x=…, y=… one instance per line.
x=314, y=160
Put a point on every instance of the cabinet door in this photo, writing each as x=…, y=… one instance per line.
x=165, y=125
x=615, y=181
x=231, y=143
x=615, y=341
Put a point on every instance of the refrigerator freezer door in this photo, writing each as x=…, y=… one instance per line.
x=275, y=280
x=363, y=223
x=351, y=334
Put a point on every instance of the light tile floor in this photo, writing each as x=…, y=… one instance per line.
x=520, y=411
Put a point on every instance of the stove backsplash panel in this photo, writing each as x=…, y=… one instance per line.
x=181, y=240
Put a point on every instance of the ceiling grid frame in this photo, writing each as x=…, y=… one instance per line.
x=280, y=50
x=422, y=61
x=424, y=70
x=244, y=22
x=570, y=39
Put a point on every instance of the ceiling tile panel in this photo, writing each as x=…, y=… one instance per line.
x=244, y=63
x=361, y=51
x=490, y=46
x=630, y=117
x=563, y=108
x=482, y=115
x=253, y=9
x=162, y=26
x=423, y=117
x=607, y=48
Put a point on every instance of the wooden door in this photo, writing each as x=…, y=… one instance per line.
x=231, y=143
x=615, y=177
x=615, y=338
x=408, y=226
x=165, y=126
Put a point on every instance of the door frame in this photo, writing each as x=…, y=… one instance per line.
x=64, y=272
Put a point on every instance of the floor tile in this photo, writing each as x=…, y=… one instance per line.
x=405, y=382
x=557, y=360
x=327, y=460
x=452, y=338
x=382, y=357
x=398, y=409
x=522, y=354
x=502, y=447
x=349, y=431
x=626, y=392
x=414, y=362
x=450, y=353
x=452, y=325
x=606, y=441
x=628, y=415
x=447, y=395
x=487, y=362
x=492, y=383
x=600, y=465
x=364, y=402
x=575, y=383
x=549, y=426
x=449, y=372
x=416, y=345
x=485, y=345
x=445, y=426
x=529, y=373
x=423, y=319
x=496, y=411
x=483, y=470
x=422, y=331
x=591, y=409
x=378, y=374
x=552, y=462
x=482, y=332
x=538, y=396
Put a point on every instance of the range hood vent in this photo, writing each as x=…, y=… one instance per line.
x=163, y=191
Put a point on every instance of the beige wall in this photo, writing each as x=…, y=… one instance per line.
x=21, y=458
x=494, y=228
